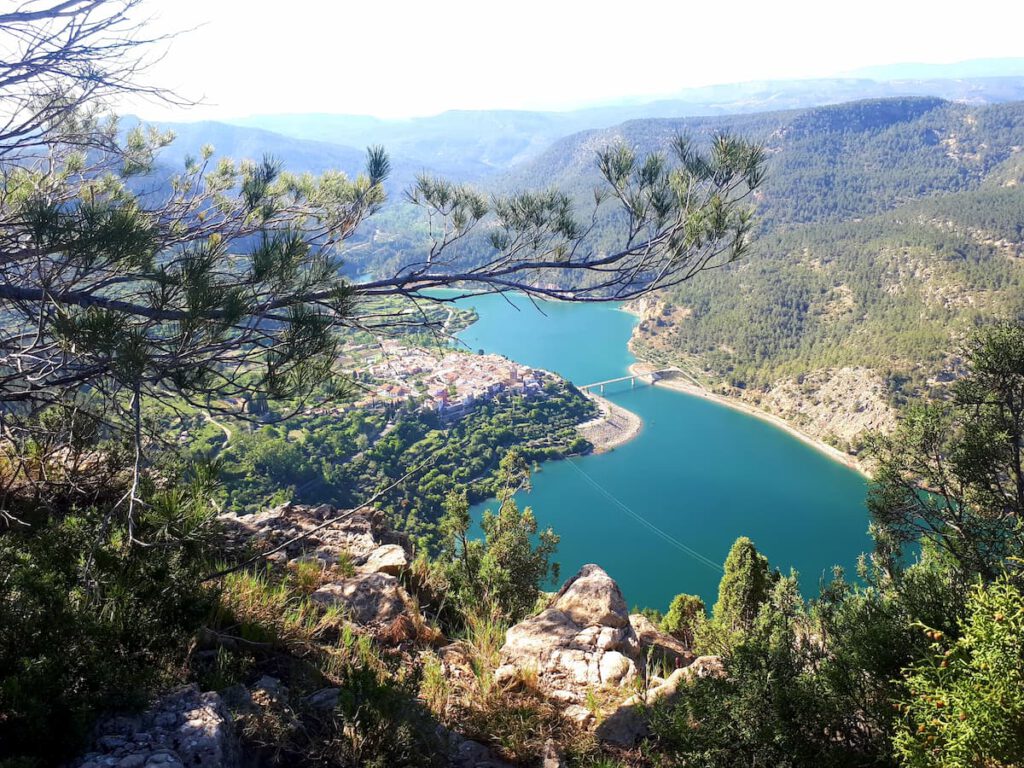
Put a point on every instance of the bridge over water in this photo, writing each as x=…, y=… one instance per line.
x=648, y=378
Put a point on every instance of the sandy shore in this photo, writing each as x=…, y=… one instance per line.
x=682, y=385
x=612, y=428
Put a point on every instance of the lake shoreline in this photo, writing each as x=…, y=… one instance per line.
x=614, y=427
x=689, y=388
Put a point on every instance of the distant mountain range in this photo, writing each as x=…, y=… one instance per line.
x=474, y=145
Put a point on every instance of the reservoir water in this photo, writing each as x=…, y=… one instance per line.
x=654, y=511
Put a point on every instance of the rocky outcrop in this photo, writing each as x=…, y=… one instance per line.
x=662, y=648
x=372, y=596
x=586, y=648
x=185, y=729
x=585, y=641
x=368, y=599
x=362, y=538
x=837, y=405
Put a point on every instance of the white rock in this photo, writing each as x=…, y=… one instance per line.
x=388, y=558
x=616, y=669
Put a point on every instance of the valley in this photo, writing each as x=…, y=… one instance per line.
x=487, y=387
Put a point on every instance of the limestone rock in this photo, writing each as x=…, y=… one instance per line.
x=369, y=599
x=362, y=537
x=388, y=558
x=592, y=597
x=584, y=641
x=581, y=716
x=184, y=728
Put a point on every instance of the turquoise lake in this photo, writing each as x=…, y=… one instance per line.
x=699, y=473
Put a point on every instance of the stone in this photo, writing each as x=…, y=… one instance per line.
x=592, y=597
x=184, y=727
x=581, y=716
x=388, y=558
x=368, y=598
x=271, y=688
x=463, y=753
x=552, y=757
x=706, y=666
x=325, y=698
x=616, y=669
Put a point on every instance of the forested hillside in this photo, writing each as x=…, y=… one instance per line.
x=887, y=230
x=475, y=144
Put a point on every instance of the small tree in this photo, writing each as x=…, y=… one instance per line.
x=685, y=614
x=501, y=574
x=745, y=585
x=952, y=472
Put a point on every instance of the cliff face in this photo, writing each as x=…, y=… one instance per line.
x=837, y=405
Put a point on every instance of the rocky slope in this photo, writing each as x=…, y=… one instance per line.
x=595, y=664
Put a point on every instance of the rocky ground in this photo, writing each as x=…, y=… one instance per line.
x=584, y=654
x=614, y=427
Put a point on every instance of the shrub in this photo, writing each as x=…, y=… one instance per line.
x=90, y=622
x=965, y=701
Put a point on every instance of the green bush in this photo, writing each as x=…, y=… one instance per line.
x=965, y=701
x=89, y=622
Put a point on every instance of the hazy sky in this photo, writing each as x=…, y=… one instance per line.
x=395, y=58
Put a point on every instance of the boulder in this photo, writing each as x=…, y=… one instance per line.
x=369, y=599
x=583, y=641
x=591, y=597
x=184, y=728
x=388, y=558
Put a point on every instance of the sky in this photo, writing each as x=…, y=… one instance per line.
x=401, y=58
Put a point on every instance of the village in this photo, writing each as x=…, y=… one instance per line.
x=450, y=384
